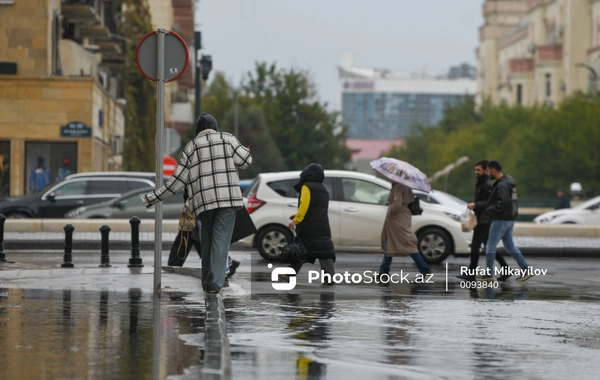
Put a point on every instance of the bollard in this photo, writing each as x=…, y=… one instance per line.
x=2, y=221
x=135, y=260
x=68, y=257
x=104, y=258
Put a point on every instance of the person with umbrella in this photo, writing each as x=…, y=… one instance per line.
x=397, y=238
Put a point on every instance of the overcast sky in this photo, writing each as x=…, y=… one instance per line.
x=402, y=35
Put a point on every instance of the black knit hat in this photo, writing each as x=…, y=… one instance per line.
x=206, y=121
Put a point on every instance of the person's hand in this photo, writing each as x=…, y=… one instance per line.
x=292, y=225
x=292, y=217
x=471, y=206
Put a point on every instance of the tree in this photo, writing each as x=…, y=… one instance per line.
x=139, y=148
x=301, y=126
x=254, y=132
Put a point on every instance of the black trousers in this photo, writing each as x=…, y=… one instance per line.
x=480, y=236
x=179, y=251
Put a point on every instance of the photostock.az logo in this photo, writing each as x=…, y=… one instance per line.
x=290, y=272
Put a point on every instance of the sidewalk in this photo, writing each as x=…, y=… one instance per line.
x=84, y=280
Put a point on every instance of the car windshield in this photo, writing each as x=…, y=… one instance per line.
x=588, y=204
x=447, y=199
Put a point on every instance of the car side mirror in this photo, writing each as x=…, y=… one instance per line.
x=51, y=197
x=119, y=205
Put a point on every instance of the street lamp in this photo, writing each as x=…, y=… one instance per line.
x=203, y=68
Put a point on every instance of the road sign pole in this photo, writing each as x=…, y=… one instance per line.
x=160, y=126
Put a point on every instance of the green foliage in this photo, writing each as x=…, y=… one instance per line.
x=542, y=148
x=253, y=131
x=140, y=117
x=302, y=127
x=279, y=118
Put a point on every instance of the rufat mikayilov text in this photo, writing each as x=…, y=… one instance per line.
x=503, y=271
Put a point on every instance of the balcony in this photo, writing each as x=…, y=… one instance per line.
x=506, y=6
x=522, y=65
x=76, y=11
x=550, y=52
x=94, y=31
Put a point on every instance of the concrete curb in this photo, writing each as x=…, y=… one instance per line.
x=217, y=355
x=170, y=225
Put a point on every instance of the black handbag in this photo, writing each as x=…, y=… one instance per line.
x=415, y=207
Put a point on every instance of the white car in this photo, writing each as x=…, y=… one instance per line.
x=356, y=221
x=585, y=213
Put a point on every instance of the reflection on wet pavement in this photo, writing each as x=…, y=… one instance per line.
x=548, y=328
x=97, y=335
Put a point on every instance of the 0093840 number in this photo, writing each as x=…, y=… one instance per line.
x=478, y=284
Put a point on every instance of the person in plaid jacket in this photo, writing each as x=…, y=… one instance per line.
x=208, y=169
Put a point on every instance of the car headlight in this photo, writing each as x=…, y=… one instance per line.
x=77, y=211
x=455, y=217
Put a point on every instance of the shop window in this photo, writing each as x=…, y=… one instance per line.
x=59, y=158
x=4, y=169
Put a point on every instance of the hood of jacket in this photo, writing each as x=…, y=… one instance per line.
x=312, y=173
x=508, y=179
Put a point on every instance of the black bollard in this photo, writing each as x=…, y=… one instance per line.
x=135, y=260
x=104, y=258
x=2, y=253
x=68, y=257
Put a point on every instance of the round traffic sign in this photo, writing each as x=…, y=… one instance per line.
x=176, y=55
x=169, y=166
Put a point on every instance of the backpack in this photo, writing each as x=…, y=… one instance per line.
x=415, y=207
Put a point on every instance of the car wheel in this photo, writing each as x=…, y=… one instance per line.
x=17, y=215
x=434, y=245
x=271, y=240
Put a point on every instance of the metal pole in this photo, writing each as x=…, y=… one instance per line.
x=160, y=126
x=198, y=74
x=236, y=128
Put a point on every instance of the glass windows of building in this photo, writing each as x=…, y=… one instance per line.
x=392, y=115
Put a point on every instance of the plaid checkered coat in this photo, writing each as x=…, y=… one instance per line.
x=208, y=168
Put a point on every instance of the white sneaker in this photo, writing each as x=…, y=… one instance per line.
x=524, y=277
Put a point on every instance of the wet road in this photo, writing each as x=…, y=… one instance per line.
x=545, y=328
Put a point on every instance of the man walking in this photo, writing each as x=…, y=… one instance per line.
x=483, y=189
x=502, y=210
x=563, y=200
x=208, y=169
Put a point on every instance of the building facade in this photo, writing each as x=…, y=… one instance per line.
x=58, y=93
x=538, y=51
x=377, y=104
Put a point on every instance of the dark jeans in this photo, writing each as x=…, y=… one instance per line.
x=480, y=237
x=217, y=228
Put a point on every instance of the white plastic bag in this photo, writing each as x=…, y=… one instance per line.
x=468, y=221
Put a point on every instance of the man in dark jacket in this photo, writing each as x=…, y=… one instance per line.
x=312, y=221
x=502, y=210
x=483, y=189
x=563, y=200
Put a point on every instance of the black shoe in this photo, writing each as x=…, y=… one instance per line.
x=504, y=277
x=466, y=277
x=233, y=267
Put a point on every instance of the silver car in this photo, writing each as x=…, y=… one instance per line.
x=127, y=206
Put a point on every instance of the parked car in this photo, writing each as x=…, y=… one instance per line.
x=245, y=184
x=127, y=206
x=356, y=221
x=585, y=213
x=75, y=190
